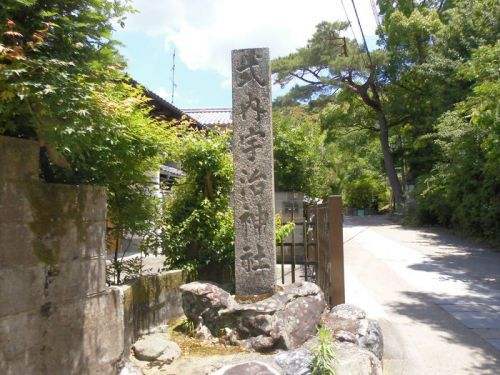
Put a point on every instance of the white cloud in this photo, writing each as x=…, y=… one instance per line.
x=204, y=32
x=161, y=91
x=179, y=99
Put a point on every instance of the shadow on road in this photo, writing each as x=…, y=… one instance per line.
x=454, y=257
x=423, y=308
x=455, y=291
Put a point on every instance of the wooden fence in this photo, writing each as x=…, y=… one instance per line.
x=323, y=245
x=325, y=248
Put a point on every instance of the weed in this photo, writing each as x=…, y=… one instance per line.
x=187, y=327
x=323, y=354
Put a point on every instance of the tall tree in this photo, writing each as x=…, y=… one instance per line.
x=302, y=159
x=331, y=64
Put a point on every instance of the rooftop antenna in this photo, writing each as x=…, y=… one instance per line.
x=173, y=76
x=375, y=12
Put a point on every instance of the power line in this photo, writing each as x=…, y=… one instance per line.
x=362, y=33
x=173, y=76
x=348, y=20
x=352, y=29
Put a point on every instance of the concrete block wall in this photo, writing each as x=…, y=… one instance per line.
x=152, y=301
x=56, y=314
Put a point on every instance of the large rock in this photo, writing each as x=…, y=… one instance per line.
x=248, y=368
x=156, y=347
x=348, y=323
x=295, y=362
x=351, y=359
x=171, y=352
x=130, y=369
x=285, y=320
x=372, y=338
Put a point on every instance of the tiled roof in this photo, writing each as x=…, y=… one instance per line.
x=211, y=116
x=162, y=108
x=172, y=171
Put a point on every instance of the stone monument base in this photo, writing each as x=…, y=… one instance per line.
x=283, y=321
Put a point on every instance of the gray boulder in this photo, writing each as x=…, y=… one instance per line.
x=156, y=347
x=295, y=362
x=372, y=338
x=351, y=359
x=348, y=323
x=171, y=352
x=130, y=369
x=285, y=320
x=248, y=368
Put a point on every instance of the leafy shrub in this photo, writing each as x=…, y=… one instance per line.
x=196, y=227
x=463, y=189
x=365, y=193
x=61, y=83
x=282, y=230
x=122, y=270
x=302, y=161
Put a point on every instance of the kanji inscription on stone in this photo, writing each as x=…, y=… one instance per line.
x=255, y=250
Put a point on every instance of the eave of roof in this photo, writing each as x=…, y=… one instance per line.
x=161, y=104
x=211, y=116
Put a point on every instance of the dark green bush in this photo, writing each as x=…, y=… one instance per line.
x=365, y=193
x=195, y=229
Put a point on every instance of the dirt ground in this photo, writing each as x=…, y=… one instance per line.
x=196, y=365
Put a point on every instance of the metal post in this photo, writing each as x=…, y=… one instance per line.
x=293, y=244
x=282, y=262
x=304, y=241
x=316, y=240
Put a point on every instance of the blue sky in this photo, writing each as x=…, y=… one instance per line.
x=203, y=33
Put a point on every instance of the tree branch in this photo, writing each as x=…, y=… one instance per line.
x=301, y=77
x=362, y=90
x=315, y=74
x=398, y=122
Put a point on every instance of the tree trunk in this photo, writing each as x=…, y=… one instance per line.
x=209, y=188
x=374, y=102
x=390, y=170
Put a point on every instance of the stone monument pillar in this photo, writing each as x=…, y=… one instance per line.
x=255, y=249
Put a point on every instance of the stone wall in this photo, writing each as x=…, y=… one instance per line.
x=56, y=314
x=151, y=301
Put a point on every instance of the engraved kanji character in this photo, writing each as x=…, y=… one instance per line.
x=252, y=141
x=249, y=70
x=259, y=258
x=252, y=103
x=255, y=181
x=246, y=258
x=261, y=219
x=246, y=218
x=258, y=220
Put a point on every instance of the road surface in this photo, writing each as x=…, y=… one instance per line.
x=436, y=297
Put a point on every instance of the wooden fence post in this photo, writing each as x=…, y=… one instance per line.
x=336, y=250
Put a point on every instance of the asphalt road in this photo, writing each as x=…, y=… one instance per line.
x=436, y=297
